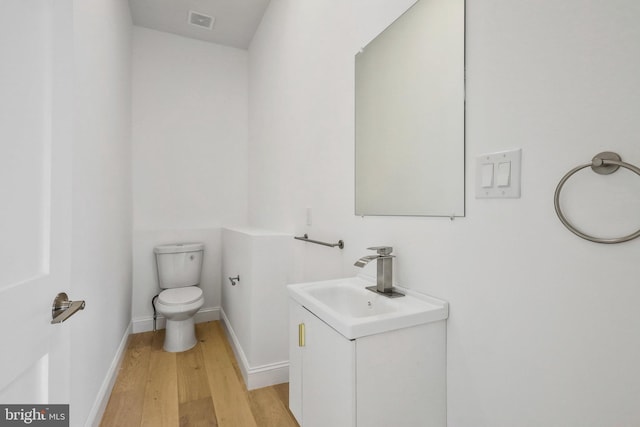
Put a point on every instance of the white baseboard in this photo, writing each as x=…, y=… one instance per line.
x=100, y=404
x=145, y=324
x=267, y=375
x=258, y=376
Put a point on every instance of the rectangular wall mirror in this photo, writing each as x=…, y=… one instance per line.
x=409, y=119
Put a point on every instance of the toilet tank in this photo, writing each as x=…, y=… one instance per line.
x=179, y=264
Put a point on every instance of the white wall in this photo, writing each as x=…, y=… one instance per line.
x=190, y=111
x=101, y=212
x=189, y=132
x=255, y=309
x=544, y=326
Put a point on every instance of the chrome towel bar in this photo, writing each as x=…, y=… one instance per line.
x=306, y=238
x=604, y=163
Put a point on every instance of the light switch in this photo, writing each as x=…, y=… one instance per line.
x=503, y=178
x=498, y=175
x=487, y=175
x=309, y=221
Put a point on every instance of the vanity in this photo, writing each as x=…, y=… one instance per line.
x=360, y=354
x=358, y=358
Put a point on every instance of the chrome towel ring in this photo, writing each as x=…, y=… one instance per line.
x=604, y=163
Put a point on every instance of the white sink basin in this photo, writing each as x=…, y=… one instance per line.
x=352, y=310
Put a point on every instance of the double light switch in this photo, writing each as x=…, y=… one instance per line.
x=498, y=175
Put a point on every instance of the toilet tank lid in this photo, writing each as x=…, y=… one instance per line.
x=178, y=248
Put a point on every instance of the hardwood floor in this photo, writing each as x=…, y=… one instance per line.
x=199, y=387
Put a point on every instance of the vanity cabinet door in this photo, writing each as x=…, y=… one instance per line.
x=296, y=318
x=324, y=364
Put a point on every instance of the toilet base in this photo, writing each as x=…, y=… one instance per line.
x=180, y=335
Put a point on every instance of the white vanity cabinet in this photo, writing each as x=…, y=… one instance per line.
x=394, y=378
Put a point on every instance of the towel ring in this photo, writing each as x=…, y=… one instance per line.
x=604, y=163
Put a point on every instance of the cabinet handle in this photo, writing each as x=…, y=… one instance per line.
x=301, y=335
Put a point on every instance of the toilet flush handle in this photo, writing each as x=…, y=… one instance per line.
x=234, y=280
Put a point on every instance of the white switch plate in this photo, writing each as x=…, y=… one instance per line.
x=309, y=217
x=498, y=190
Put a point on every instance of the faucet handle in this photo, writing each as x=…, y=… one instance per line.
x=382, y=250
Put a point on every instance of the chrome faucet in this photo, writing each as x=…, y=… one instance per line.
x=384, y=279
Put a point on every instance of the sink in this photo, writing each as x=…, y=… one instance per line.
x=352, y=310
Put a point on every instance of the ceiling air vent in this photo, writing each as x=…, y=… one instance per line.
x=200, y=20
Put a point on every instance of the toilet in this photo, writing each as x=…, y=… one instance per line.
x=179, y=266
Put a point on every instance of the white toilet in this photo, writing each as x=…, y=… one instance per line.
x=179, y=267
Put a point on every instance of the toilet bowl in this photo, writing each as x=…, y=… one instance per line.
x=179, y=306
x=179, y=268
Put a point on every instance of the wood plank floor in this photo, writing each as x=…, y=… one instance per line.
x=199, y=387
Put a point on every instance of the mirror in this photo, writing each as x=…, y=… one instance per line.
x=409, y=121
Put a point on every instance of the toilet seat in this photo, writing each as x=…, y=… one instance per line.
x=178, y=296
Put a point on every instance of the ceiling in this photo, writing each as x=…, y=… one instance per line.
x=235, y=20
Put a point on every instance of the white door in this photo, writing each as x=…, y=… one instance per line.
x=36, y=53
